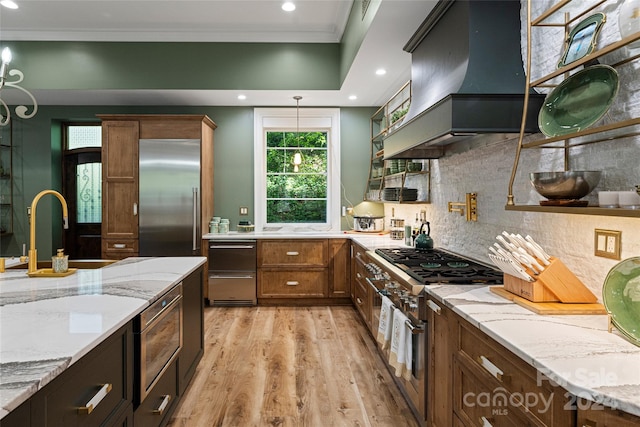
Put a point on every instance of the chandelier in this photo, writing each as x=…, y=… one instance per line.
x=21, y=110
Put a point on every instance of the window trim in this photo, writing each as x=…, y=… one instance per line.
x=311, y=119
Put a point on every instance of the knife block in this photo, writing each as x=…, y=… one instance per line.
x=555, y=283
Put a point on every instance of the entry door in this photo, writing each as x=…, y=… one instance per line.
x=82, y=189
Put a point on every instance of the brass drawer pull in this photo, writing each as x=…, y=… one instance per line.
x=293, y=253
x=95, y=400
x=119, y=245
x=433, y=306
x=484, y=422
x=165, y=401
x=359, y=301
x=491, y=368
x=292, y=283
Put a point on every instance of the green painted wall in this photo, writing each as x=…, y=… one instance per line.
x=111, y=65
x=37, y=164
x=354, y=33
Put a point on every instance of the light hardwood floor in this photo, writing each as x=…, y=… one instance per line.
x=290, y=366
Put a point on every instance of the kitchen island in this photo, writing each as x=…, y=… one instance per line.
x=49, y=324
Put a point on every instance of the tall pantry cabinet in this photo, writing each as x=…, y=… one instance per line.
x=120, y=186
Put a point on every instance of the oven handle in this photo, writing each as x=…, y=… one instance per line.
x=231, y=246
x=413, y=328
x=162, y=313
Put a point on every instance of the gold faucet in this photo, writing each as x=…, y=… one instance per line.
x=33, y=253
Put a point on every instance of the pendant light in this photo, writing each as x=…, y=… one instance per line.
x=297, y=157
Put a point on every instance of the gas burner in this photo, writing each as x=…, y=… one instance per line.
x=436, y=265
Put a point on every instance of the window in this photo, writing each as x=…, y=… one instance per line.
x=84, y=168
x=306, y=199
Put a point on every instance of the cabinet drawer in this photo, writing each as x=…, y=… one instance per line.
x=362, y=300
x=477, y=403
x=594, y=415
x=92, y=390
x=292, y=283
x=289, y=253
x=160, y=402
x=119, y=248
x=499, y=369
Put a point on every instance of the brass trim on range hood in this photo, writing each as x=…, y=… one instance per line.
x=467, y=79
x=458, y=117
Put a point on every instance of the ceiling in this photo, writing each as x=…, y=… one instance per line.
x=313, y=21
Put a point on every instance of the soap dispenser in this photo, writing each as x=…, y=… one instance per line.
x=60, y=262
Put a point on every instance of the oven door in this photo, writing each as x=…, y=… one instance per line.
x=159, y=339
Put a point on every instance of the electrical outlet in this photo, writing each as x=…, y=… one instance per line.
x=608, y=243
x=244, y=210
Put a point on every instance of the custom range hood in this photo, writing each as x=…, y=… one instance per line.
x=467, y=79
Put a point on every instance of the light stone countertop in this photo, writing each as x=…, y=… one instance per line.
x=47, y=324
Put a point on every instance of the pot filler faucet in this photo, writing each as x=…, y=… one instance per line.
x=33, y=252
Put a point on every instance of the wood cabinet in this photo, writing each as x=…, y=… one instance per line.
x=193, y=328
x=339, y=268
x=160, y=403
x=494, y=386
x=120, y=187
x=441, y=340
x=361, y=291
x=594, y=415
x=103, y=377
x=293, y=268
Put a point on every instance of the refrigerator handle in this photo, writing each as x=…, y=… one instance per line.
x=195, y=219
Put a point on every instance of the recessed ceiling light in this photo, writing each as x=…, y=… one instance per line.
x=381, y=71
x=353, y=97
x=9, y=4
x=242, y=97
x=288, y=6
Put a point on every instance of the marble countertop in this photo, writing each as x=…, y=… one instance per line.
x=574, y=351
x=47, y=324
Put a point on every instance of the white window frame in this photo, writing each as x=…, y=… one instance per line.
x=284, y=119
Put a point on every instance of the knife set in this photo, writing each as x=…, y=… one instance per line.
x=531, y=273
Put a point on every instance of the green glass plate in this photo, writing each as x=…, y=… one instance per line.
x=579, y=101
x=621, y=297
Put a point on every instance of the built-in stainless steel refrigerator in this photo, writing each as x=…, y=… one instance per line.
x=169, y=197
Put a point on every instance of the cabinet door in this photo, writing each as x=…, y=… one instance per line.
x=594, y=415
x=339, y=283
x=120, y=179
x=441, y=336
x=193, y=329
x=92, y=390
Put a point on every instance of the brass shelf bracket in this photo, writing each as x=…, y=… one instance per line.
x=470, y=207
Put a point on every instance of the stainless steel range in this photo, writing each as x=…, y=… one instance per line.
x=407, y=295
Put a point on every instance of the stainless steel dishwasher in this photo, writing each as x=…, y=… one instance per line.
x=232, y=272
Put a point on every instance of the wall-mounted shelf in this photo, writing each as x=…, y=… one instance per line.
x=389, y=174
x=629, y=127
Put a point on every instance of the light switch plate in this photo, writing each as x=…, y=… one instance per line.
x=607, y=243
x=244, y=210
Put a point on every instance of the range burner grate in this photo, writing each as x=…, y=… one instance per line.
x=436, y=265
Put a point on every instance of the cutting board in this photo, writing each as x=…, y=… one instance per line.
x=550, y=307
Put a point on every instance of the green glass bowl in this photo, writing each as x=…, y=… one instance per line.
x=621, y=297
x=579, y=101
